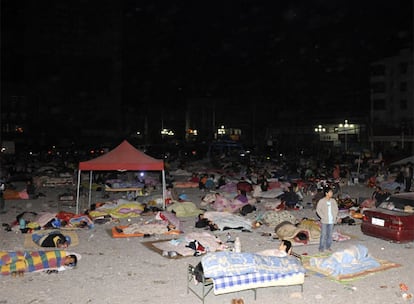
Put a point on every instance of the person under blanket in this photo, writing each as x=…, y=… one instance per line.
x=350, y=260
x=285, y=249
x=18, y=262
x=227, y=220
x=52, y=239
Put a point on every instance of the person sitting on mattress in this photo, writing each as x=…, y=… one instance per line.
x=19, y=262
x=52, y=239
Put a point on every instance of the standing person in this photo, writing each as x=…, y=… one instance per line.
x=408, y=176
x=2, y=202
x=327, y=210
x=262, y=181
x=31, y=190
x=336, y=174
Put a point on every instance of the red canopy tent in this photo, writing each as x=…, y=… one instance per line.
x=124, y=157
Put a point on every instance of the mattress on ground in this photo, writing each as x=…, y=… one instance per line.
x=235, y=283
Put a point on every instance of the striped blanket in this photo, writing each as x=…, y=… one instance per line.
x=29, y=261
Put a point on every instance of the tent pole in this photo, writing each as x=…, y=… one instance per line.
x=163, y=189
x=77, y=192
x=90, y=189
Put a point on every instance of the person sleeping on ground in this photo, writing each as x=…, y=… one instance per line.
x=203, y=222
x=18, y=262
x=226, y=220
x=52, y=239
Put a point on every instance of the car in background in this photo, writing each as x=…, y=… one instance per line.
x=392, y=220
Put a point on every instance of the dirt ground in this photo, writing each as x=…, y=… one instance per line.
x=124, y=271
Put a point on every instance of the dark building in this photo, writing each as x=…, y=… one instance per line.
x=93, y=73
x=392, y=102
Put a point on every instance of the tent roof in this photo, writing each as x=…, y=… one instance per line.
x=123, y=157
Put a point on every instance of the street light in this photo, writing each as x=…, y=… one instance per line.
x=345, y=128
x=221, y=131
x=320, y=129
x=167, y=132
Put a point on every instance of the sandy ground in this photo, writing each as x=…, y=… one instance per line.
x=124, y=271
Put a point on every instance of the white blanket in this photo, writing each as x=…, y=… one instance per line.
x=228, y=220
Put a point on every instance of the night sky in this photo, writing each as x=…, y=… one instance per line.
x=160, y=54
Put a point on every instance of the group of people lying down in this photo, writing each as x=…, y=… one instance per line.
x=16, y=263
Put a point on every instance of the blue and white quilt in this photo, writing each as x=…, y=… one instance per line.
x=232, y=271
x=351, y=260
